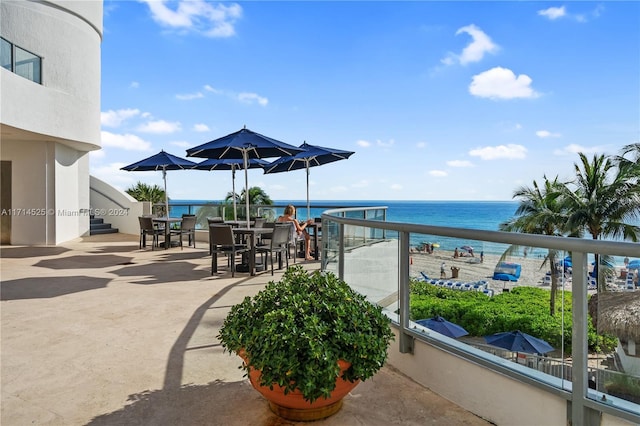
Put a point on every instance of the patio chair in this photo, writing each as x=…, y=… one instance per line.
x=265, y=239
x=294, y=240
x=279, y=244
x=222, y=240
x=188, y=228
x=214, y=220
x=147, y=227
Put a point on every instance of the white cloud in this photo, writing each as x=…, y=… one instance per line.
x=340, y=189
x=421, y=145
x=200, y=127
x=396, y=187
x=502, y=83
x=98, y=154
x=250, y=98
x=127, y=141
x=480, y=45
x=111, y=173
x=363, y=143
x=363, y=183
x=510, y=151
x=189, y=96
x=211, y=20
x=134, y=85
x=212, y=89
x=543, y=134
x=182, y=144
x=459, y=163
x=438, y=173
x=160, y=127
x=113, y=118
x=553, y=12
x=389, y=144
x=575, y=148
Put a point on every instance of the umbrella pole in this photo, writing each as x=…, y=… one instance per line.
x=233, y=189
x=308, y=203
x=166, y=194
x=245, y=154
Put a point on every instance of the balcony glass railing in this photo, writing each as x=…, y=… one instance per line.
x=597, y=369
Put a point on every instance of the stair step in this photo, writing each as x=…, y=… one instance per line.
x=94, y=221
x=100, y=226
x=104, y=231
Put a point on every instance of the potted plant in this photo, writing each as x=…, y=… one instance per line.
x=303, y=336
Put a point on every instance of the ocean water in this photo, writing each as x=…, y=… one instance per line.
x=484, y=215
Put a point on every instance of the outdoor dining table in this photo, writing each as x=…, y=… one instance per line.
x=238, y=223
x=167, y=222
x=253, y=234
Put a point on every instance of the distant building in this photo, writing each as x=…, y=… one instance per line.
x=49, y=117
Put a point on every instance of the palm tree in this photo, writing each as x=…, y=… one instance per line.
x=540, y=212
x=605, y=202
x=257, y=196
x=630, y=165
x=143, y=192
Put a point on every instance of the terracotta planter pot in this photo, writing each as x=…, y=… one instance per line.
x=293, y=406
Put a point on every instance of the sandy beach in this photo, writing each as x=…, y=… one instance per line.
x=472, y=269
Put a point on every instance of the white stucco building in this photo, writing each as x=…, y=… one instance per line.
x=49, y=117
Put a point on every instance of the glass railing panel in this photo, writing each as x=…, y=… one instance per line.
x=503, y=287
x=371, y=268
x=614, y=369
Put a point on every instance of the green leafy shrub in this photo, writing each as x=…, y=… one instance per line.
x=294, y=331
x=523, y=308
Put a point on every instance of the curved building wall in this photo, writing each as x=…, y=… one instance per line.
x=48, y=129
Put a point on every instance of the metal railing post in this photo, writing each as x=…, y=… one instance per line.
x=341, y=251
x=406, y=341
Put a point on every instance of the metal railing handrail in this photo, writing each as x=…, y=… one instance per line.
x=577, y=391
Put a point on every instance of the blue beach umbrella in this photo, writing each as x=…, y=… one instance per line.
x=443, y=327
x=311, y=156
x=243, y=144
x=518, y=341
x=232, y=164
x=634, y=264
x=161, y=161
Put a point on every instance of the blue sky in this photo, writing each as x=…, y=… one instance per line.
x=439, y=100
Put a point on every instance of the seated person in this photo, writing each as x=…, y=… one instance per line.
x=287, y=216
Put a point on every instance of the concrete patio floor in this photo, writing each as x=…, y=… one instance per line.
x=98, y=332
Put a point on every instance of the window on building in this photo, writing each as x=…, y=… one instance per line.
x=20, y=61
x=5, y=54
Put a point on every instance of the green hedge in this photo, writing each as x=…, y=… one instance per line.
x=523, y=308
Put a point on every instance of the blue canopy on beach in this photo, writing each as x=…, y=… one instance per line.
x=634, y=264
x=443, y=327
x=518, y=341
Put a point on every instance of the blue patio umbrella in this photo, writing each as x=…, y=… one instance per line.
x=443, y=327
x=311, y=156
x=243, y=144
x=518, y=341
x=161, y=161
x=634, y=264
x=232, y=164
